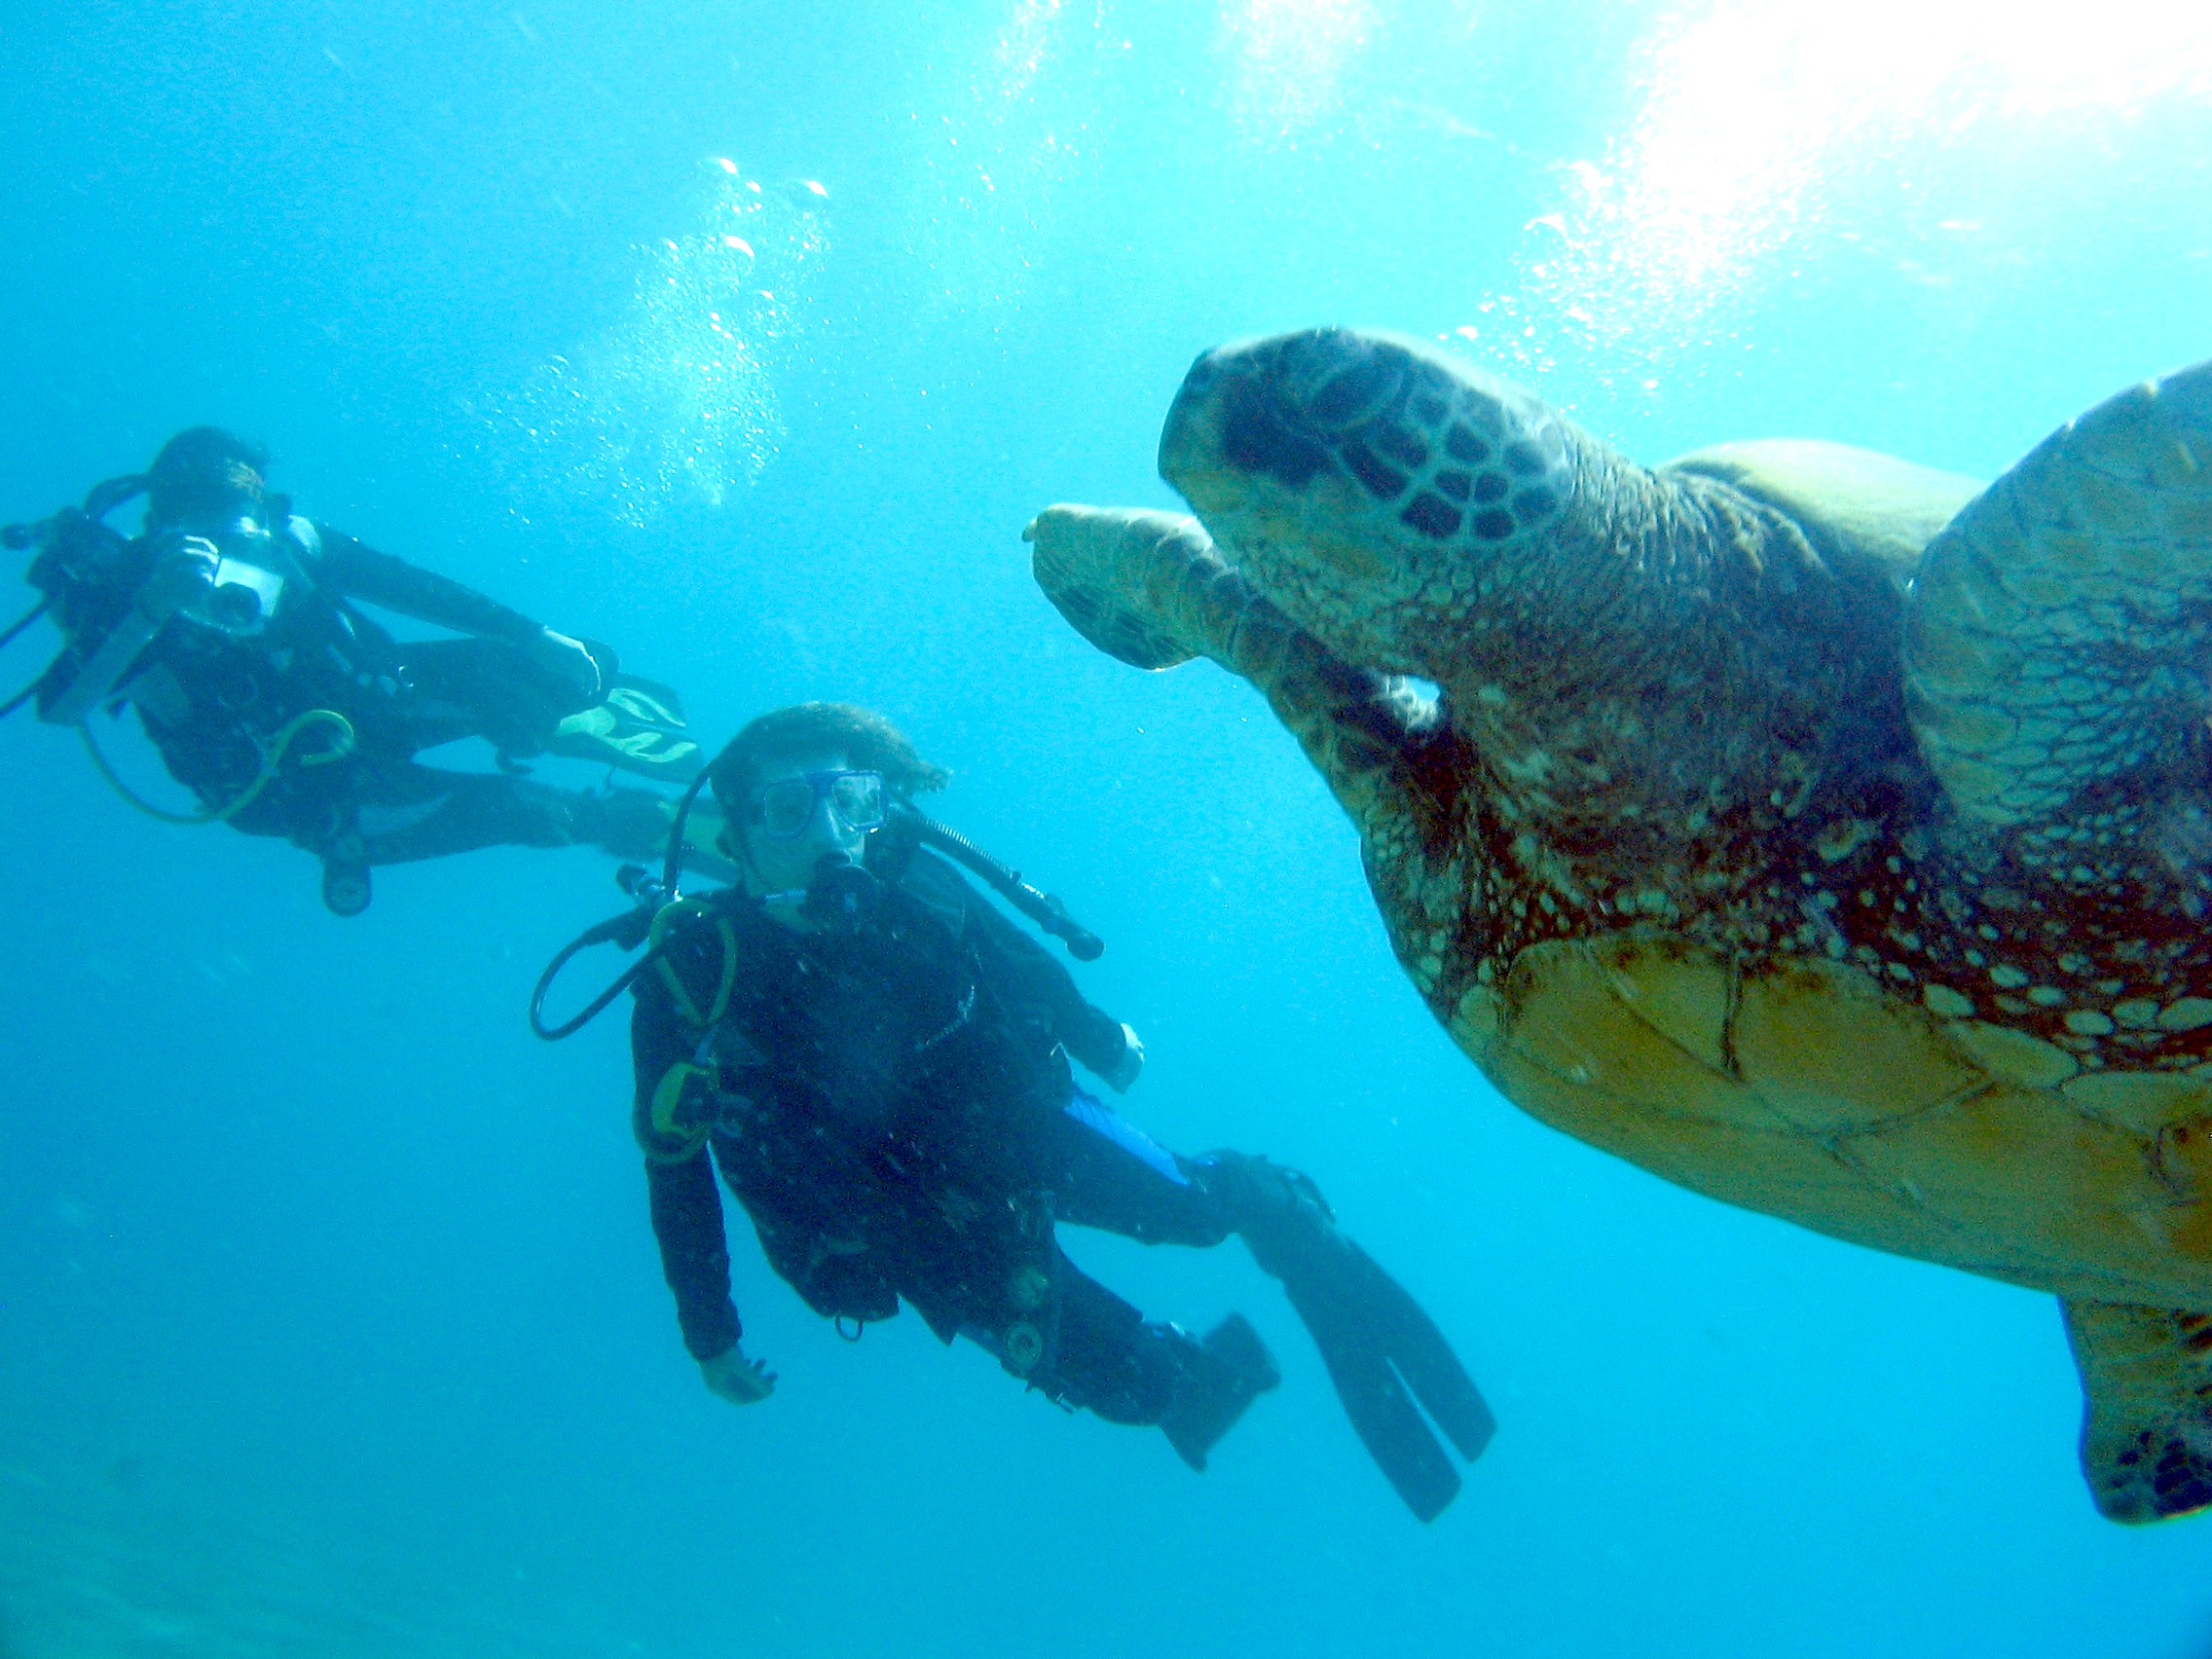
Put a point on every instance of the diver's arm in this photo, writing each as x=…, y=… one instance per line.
x=694, y=1255
x=679, y=1182
x=359, y=571
x=1025, y=976
x=177, y=577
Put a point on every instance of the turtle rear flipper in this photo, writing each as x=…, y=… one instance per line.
x=2146, y=1439
x=2055, y=639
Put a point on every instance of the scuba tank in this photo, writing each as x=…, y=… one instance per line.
x=75, y=550
x=843, y=893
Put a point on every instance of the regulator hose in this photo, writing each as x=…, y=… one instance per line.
x=9, y=637
x=627, y=930
x=1043, y=908
x=342, y=744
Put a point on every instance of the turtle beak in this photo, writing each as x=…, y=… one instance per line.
x=1239, y=413
x=1190, y=443
x=1249, y=441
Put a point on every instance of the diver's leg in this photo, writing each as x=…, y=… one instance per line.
x=408, y=812
x=1006, y=1285
x=403, y=813
x=1101, y=1354
x=494, y=689
x=1103, y=1171
x=486, y=688
x=1001, y=1279
x=400, y=813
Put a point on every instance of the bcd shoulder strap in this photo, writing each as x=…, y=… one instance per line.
x=691, y=915
x=680, y=1110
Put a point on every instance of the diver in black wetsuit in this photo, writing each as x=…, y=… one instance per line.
x=877, y=1061
x=232, y=626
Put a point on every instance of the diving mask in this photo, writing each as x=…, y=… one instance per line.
x=785, y=807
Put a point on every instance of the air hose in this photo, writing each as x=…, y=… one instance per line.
x=24, y=621
x=1047, y=911
x=342, y=745
x=627, y=930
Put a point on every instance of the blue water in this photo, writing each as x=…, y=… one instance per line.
x=330, y=1321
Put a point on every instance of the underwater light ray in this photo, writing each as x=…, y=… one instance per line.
x=1758, y=115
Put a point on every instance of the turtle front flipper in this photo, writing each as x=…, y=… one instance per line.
x=2055, y=640
x=1147, y=588
x=1151, y=589
x=2146, y=1439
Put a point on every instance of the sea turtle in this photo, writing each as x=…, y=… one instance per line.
x=1826, y=833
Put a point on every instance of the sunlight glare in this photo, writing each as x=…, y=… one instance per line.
x=1290, y=56
x=1751, y=106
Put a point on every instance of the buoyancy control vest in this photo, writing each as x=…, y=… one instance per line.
x=895, y=1021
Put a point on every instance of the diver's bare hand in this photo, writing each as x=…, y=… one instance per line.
x=740, y=1381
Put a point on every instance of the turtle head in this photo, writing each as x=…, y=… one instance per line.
x=1370, y=486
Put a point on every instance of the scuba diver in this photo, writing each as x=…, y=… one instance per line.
x=877, y=1060
x=233, y=626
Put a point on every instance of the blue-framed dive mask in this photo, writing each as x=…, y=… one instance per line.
x=785, y=807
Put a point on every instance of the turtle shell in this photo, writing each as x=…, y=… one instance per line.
x=1811, y=1091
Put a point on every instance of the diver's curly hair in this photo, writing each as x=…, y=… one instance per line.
x=870, y=742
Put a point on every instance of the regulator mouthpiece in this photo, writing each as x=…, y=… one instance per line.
x=844, y=894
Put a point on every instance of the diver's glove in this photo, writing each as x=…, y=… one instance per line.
x=572, y=662
x=740, y=1381
x=1123, y=1072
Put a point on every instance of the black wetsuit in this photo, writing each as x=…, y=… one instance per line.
x=894, y=1109
x=213, y=702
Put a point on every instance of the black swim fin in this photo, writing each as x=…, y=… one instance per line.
x=1383, y=1352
